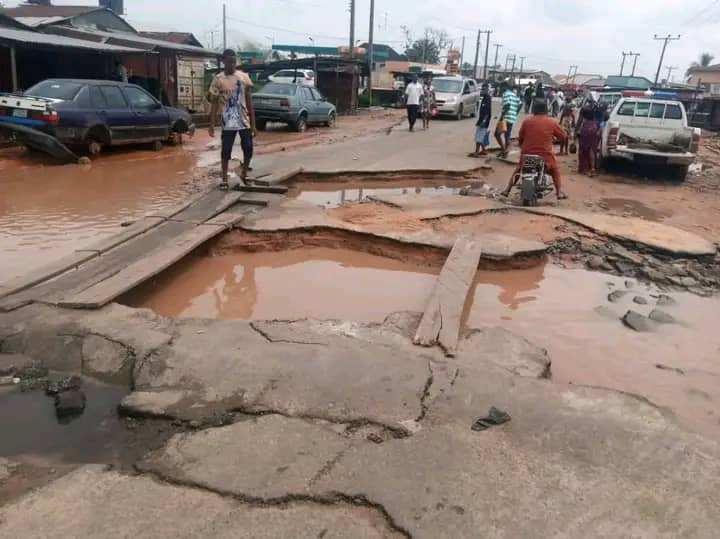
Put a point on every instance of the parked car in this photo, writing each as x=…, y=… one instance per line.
x=306, y=77
x=293, y=104
x=456, y=96
x=95, y=113
x=653, y=132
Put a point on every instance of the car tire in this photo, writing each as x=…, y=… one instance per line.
x=94, y=147
x=460, y=114
x=261, y=125
x=331, y=120
x=156, y=146
x=300, y=125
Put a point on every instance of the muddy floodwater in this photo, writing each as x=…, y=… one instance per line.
x=567, y=312
x=311, y=282
x=564, y=311
x=47, y=211
x=334, y=194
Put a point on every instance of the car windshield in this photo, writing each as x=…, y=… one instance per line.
x=448, y=86
x=279, y=88
x=53, y=89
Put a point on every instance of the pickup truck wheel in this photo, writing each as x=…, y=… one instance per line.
x=301, y=124
x=156, y=146
x=460, y=114
x=679, y=172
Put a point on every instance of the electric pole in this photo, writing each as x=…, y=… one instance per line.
x=522, y=64
x=462, y=55
x=622, y=66
x=352, y=28
x=371, y=36
x=477, y=54
x=635, y=54
x=512, y=73
x=224, y=27
x=507, y=63
x=666, y=40
x=497, y=53
x=570, y=73
x=487, y=50
x=670, y=70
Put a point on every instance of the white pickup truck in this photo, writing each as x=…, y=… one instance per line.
x=651, y=131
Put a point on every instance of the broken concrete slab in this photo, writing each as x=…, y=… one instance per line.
x=661, y=317
x=10, y=364
x=93, y=502
x=498, y=346
x=638, y=322
x=7, y=468
x=293, y=214
x=287, y=455
x=160, y=404
x=655, y=235
x=434, y=207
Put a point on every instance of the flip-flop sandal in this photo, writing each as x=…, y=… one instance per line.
x=224, y=186
x=562, y=196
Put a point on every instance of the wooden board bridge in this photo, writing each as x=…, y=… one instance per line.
x=96, y=275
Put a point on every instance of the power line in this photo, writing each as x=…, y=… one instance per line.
x=702, y=12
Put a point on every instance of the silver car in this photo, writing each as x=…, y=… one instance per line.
x=456, y=97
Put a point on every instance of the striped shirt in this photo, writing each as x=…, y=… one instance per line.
x=512, y=101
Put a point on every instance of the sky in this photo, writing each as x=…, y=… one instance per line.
x=551, y=34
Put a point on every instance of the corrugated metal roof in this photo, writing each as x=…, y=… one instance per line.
x=37, y=21
x=37, y=38
x=48, y=11
x=128, y=37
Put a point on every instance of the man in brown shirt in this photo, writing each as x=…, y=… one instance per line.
x=536, y=138
x=231, y=99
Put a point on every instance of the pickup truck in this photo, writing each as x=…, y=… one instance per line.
x=651, y=131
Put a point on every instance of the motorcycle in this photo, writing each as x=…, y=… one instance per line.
x=534, y=183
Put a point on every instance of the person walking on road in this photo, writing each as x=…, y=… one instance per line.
x=588, y=130
x=511, y=107
x=231, y=98
x=567, y=122
x=427, y=102
x=413, y=94
x=528, y=97
x=482, y=129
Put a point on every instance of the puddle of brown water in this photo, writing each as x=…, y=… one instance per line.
x=47, y=211
x=334, y=194
x=31, y=430
x=556, y=309
x=634, y=208
x=309, y=282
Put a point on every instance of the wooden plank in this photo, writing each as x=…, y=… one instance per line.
x=279, y=177
x=277, y=189
x=172, y=211
x=44, y=273
x=231, y=217
x=128, y=233
x=440, y=323
x=213, y=203
x=138, y=272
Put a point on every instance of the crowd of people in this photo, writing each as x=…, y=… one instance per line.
x=574, y=122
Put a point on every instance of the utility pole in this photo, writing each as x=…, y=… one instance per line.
x=352, y=28
x=522, y=64
x=507, y=62
x=570, y=73
x=670, y=70
x=497, y=53
x=635, y=54
x=487, y=50
x=371, y=36
x=224, y=27
x=462, y=55
x=477, y=54
x=622, y=66
x=513, y=66
x=666, y=40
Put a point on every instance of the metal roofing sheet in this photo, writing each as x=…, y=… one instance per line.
x=128, y=37
x=37, y=38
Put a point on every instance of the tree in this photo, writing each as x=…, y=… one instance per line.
x=706, y=59
x=428, y=48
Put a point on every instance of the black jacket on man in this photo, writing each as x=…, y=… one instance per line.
x=485, y=112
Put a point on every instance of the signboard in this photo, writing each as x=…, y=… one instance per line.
x=715, y=89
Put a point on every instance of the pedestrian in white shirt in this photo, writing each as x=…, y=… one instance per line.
x=413, y=93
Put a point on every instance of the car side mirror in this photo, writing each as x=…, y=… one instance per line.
x=157, y=106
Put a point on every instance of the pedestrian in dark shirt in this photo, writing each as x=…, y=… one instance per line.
x=482, y=131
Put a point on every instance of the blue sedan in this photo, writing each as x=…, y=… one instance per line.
x=95, y=113
x=294, y=104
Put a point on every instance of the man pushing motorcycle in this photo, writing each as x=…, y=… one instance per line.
x=536, y=138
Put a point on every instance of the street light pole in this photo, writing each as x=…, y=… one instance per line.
x=371, y=36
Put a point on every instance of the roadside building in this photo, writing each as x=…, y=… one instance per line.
x=705, y=75
x=169, y=65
